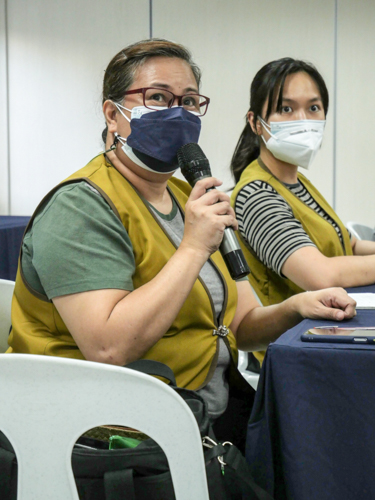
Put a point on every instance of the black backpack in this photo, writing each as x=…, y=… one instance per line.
x=142, y=473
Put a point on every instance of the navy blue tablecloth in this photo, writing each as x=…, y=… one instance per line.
x=11, y=232
x=311, y=434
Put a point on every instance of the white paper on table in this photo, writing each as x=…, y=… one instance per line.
x=364, y=300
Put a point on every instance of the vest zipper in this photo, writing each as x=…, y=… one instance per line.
x=217, y=322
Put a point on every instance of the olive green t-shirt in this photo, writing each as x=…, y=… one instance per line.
x=75, y=244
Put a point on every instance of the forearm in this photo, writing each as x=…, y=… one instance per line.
x=150, y=310
x=364, y=247
x=117, y=327
x=263, y=325
x=346, y=271
x=311, y=270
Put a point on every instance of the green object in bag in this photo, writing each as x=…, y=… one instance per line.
x=116, y=442
x=142, y=471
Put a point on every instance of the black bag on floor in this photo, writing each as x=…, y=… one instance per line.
x=142, y=473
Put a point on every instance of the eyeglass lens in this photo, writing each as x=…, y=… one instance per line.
x=156, y=98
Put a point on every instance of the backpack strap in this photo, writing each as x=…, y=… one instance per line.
x=119, y=484
x=7, y=460
x=152, y=367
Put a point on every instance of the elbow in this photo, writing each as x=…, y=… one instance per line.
x=252, y=345
x=249, y=340
x=108, y=355
x=109, y=349
x=319, y=282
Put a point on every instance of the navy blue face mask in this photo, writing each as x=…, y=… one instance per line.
x=157, y=136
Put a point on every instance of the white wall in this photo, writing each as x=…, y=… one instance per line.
x=356, y=111
x=232, y=41
x=58, y=52
x=3, y=113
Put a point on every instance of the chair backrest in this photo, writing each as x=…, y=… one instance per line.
x=243, y=360
x=6, y=294
x=49, y=402
x=251, y=377
x=360, y=231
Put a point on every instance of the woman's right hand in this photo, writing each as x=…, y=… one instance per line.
x=207, y=214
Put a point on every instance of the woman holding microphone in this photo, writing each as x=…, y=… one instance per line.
x=120, y=261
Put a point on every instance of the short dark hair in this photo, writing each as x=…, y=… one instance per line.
x=120, y=72
x=268, y=84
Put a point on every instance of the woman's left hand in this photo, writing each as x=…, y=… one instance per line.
x=330, y=303
x=255, y=327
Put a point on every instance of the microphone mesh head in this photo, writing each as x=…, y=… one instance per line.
x=190, y=152
x=193, y=163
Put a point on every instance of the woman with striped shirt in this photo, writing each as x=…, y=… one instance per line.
x=293, y=239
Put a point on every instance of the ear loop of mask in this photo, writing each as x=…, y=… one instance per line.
x=117, y=137
x=118, y=106
x=128, y=151
x=267, y=127
x=113, y=147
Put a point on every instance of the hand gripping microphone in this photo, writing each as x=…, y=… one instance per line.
x=195, y=166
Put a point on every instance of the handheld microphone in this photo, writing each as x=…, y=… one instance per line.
x=195, y=166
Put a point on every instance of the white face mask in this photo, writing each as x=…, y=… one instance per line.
x=137, y=111
x=295, y=142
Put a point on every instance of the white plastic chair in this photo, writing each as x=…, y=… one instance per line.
x=49, y=402
x=251, y=377
x=360, y=231
x=6, y=294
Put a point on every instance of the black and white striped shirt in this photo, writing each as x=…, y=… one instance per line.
x=268, y=225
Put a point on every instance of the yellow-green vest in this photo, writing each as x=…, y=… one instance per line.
x=269, y=286
x=189, y=347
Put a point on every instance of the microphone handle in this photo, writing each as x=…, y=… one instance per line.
x=231, y=251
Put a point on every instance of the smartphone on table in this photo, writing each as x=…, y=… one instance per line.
x=338, y=334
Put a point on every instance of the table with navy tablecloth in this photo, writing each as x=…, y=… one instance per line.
x=11, y=232
x=311, y=434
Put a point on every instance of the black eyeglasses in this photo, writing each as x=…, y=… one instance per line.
x=155, y=98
